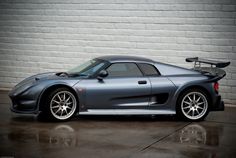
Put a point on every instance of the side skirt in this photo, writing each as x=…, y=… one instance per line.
x=126, y=112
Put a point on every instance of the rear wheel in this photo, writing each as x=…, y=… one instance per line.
x=193, y=105
x=61, y=104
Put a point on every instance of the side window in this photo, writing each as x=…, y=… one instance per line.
x=124, y=70
x=148, y=69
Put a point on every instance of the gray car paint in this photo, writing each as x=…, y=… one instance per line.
x=116, y=93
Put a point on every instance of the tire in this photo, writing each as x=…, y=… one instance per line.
x=61, y=105
x=193, y=105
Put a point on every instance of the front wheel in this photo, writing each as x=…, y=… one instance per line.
x=61, y=104
x=193, y=105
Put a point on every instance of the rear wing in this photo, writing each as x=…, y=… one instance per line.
x=212, y=70
x=198, y=61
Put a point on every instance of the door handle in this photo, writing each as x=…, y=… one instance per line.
x=142, y=82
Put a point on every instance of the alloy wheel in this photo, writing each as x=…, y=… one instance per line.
x=194, y=105
x=63, y=105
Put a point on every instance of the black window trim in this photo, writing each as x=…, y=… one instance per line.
x=159, y=74
x=143, y=75
x=100, y=69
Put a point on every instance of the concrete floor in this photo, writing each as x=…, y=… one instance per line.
x=119, y=136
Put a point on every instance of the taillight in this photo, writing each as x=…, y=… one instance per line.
x=216, y=86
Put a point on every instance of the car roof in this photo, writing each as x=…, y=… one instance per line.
x=124, y=58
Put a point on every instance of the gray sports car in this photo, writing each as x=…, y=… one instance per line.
x=123, y=85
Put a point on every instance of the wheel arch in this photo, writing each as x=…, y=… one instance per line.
x=49, y=89
x=202, y=88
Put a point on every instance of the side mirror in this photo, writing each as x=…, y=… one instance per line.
x=102, y=74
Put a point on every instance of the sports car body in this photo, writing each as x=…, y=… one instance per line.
x=123, y=85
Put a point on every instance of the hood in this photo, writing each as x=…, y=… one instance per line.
x=28, y=82
x=41, y=76
x=44, y=76
x=44, y=80
x=35, y=78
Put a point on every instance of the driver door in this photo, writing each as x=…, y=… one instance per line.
x=125, y=87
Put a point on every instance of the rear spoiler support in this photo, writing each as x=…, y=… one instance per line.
x=214, y=69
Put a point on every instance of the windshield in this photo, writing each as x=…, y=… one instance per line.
x=88, y=68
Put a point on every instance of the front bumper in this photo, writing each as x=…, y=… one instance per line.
x=22, y=103
x=23, y=106
x=218, y=104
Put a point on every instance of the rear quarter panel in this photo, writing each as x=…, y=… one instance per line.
x=183, y=79
x=183, y=82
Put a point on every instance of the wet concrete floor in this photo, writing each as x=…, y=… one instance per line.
x=116, y=136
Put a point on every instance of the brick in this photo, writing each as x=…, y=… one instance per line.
x=234, y=76
x=229, y=7
x=233, y=90
x=40, y=36
x=212, y=7
x=225, y=89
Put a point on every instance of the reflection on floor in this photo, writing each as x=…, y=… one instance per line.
x=116, y=136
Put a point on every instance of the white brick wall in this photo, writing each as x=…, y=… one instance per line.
x=55, y=35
